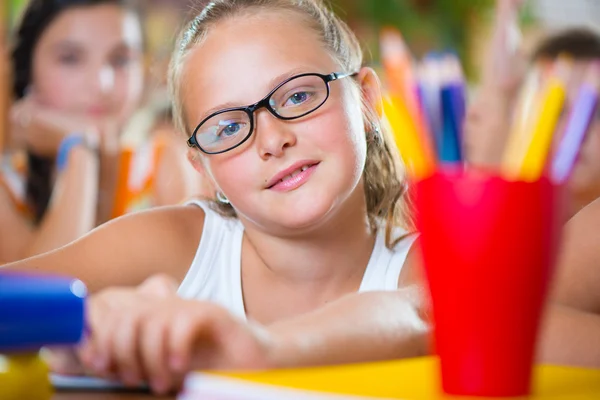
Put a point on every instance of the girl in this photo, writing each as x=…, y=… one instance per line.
x=309, y=203
x=78, y=77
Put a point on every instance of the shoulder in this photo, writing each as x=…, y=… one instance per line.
x=129, y=249
x=180, y=221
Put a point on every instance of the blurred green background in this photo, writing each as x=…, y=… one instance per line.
x=427, y=25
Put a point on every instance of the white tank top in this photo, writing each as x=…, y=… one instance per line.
x=215, y=273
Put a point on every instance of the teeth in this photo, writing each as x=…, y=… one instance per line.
x=293, y=174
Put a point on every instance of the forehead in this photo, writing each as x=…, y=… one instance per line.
x=241, y=57
x=108, y=23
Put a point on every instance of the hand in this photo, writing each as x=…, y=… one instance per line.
x=144, y=334
x=488, y=120
x=66, y=361
x=42, y=129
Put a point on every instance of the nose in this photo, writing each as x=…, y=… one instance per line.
x=273, y=135
x=104, y=79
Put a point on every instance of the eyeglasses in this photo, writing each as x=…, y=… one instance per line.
x=292, y=99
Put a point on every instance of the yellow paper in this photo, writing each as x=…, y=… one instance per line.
x=413, y=379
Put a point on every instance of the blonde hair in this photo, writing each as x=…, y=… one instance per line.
x=385, y=188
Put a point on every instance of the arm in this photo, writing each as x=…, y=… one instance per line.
x=570, y=337
x=159, y=338
x=488, y=118
x=361, y=327
x=126, y=251
x=571, y=326
x=72, y=210
x=375, y=325
x=15, y=232
x=70, y=215
x=577, y=279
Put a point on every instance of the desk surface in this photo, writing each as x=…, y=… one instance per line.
x=105, y=396
x=408, y=379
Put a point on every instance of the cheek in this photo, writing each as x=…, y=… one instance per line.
x=127, y=92
x=234, y=173
x=129, y=85
x=57, y=87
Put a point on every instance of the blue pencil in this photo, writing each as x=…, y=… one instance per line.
x=453, y=109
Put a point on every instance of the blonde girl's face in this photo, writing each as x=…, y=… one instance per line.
x=88, y=62
x=241, y=60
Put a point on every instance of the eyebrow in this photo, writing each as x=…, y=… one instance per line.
x=73, y=45
x=273, y=83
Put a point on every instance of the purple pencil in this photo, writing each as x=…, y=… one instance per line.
x=583, y=111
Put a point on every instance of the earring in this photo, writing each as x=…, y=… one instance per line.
x=221, y=198
x=376, y=128
x=374, y=133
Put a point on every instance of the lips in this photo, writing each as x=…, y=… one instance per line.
x=292, y=173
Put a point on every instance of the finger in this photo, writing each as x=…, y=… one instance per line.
x=125, y=349
x=186, y=329
x=62, y=361
x=202, y=336
x=153, y=352
x=94, y=350
x=160, y=285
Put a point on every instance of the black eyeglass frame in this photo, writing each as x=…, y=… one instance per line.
x=264, y=103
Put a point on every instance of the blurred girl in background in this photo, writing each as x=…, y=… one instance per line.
x=78, y=71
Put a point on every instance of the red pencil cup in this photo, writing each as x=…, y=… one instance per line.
x=488, y=250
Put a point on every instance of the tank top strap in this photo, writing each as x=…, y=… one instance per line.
x=385, y=265
x=215, y=272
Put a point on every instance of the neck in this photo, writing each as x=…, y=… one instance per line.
x=334, y=254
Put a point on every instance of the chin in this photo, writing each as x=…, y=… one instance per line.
x=295, y=214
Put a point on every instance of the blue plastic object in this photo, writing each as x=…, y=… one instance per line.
x=40, y=310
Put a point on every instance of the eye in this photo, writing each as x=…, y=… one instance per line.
x=120, y=61
x=229, y=128
x=297, y=99
x=69, y=59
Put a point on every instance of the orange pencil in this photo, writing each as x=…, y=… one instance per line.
x=401, y=77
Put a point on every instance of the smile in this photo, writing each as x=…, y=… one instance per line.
x=292, y=177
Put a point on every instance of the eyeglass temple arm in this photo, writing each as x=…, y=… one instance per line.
x=339, y=75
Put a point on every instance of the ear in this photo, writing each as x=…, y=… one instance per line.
x=195, y=158
x=207, y=186
x=370, y=86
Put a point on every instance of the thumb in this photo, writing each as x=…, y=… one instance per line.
x=159, y=285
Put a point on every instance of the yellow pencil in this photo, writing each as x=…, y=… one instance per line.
x=536, y=155
x=406, y=136
x=522, y=127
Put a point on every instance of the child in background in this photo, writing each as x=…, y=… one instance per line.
x=304, y=256
x=78, y=77
x=489, y=118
